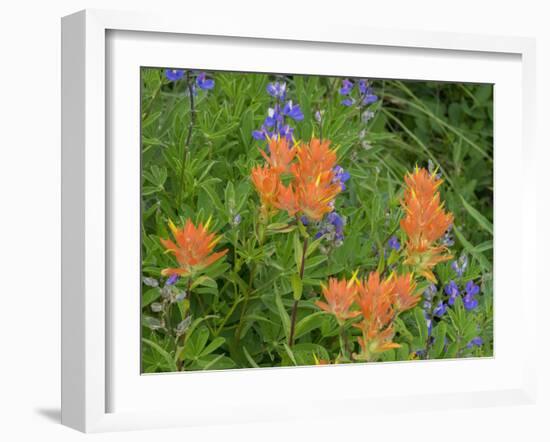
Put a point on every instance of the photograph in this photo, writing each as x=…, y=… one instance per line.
x=303, y=220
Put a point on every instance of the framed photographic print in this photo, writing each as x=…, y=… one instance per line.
x=249, y=214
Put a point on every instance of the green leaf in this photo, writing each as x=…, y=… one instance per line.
x=298, y=250
x=285, y=318
x=297, y=286
x=149, y=296
x=402, y=353
x=290, y=353
x=249, y=358
x=217, y=342
x=439, y=334
x=170, y=361
x=421, y=324
x=195, y=343
x=475, y=214
x=309, y=323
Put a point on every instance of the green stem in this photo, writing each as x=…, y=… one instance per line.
x=295, y=305
x=188, y=138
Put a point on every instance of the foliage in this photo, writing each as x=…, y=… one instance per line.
x=203, y=134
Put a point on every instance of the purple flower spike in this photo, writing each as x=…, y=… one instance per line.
x=460, y=266
x=277, y=90
x=174, y=74
x=340, y=176
x=204, y=83
x=293, y=111
x=471, y=289
x=393, y=243
x=430, y=292
x=348, y=102
x=452, y=291
x=440, y=309
x=470, y=302
x=346, y=88
x=258, y=135
x=477, y=341
x=172, y=280
x=335, y=219
x=369, y=99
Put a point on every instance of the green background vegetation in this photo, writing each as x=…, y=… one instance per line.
x=414, y=123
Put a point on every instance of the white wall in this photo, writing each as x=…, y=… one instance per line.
x=30, y=207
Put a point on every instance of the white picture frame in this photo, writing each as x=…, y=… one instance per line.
x=89, y=170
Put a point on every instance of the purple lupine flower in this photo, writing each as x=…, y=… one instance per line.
x=367, y=95
x=340, y=176
x=440, y=309
x=277, y=90
x=369, y=98
x=477, y=341
x=347, y=86
x=174, y=74
x=319, y=116
x=470, y=300
x=304, y=220
x=287, y=132
x=430, y=292
x=460, y=266
x=293, y=111
x=204, y=83
x=448, y=239
x=258, y=134
x=452, y=291
x=335, y=219
x=471, y=288
x=172, y=280
x=348, y=101
x=393, y=243
x=320, y=233
x=273, y=117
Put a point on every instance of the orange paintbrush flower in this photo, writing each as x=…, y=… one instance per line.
x=316, y=198
x=287, y=200
x=314, y=159
x=267, y=184
x=313, y=188
x=376, y=300
x=340, y=296
x=280, y=155
x=405, y=292
x=425, y=222
x=192, y=248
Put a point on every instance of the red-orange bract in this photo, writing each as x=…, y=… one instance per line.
x=405, y=292
x=312, y=188
x=424, y=223
x=377, y=302
x=192, y=248
x=340, y=296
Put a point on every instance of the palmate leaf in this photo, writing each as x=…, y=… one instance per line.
x=168, y=358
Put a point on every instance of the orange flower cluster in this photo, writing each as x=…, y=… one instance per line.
x=192, y=249
x=312, y=187
x=425, y=222
x=340, y=296
x=378, y=302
